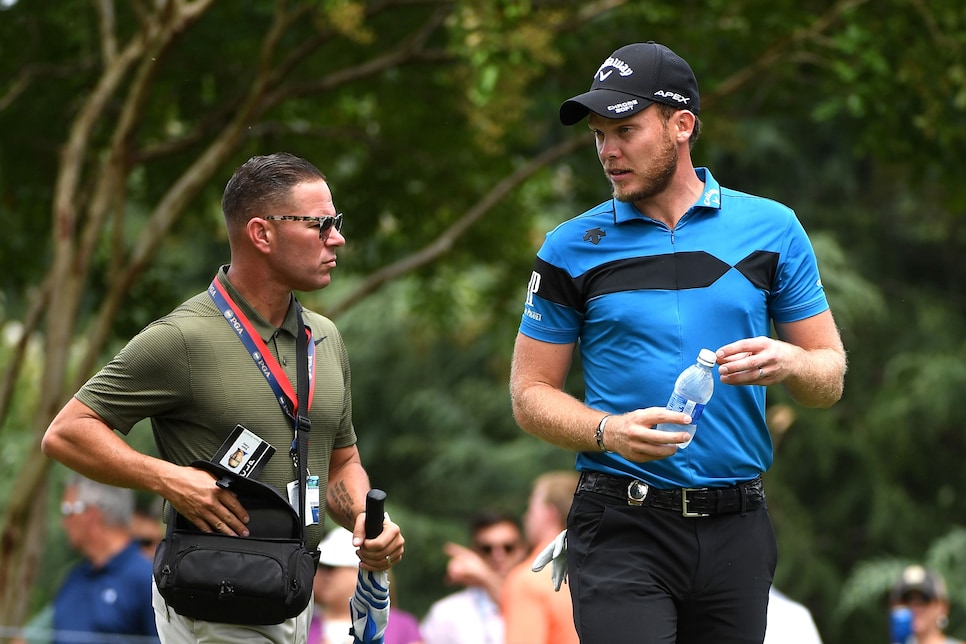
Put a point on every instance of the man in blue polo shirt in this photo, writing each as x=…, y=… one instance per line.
x=666, y=544
x=108, y=595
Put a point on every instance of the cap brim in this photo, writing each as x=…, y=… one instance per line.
x=927, y=592
x=608, y=103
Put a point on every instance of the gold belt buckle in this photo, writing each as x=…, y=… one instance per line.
x=685, y=511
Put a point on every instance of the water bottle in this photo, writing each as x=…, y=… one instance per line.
x=900, y=625
x=692, y=391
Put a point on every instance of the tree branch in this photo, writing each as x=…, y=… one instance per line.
x=106, y=25
x=448, y=238
x=776, y=52
x=109, y=196
x=18, y=87
x=15, y=362
x=409, y=49
x=181, y=192
x=30, y=73
x=63, y=270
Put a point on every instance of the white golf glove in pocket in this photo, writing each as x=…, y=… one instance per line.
x=555, y=552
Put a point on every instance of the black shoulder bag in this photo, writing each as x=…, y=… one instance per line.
x=261, y=579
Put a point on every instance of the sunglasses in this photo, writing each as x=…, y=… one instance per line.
x=488, y=549
x=326, y=224
x=68, y=508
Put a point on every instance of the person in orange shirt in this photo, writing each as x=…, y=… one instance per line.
x=533, y=611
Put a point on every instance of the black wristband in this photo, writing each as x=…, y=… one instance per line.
x=599, y=434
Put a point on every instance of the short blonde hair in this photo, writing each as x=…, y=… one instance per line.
x=558, y=489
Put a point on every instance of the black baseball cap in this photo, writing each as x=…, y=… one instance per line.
x=917, y=579
x=632, y=78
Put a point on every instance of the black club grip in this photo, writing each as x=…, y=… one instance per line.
x=375, y=509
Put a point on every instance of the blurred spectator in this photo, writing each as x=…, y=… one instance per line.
x=472, y=615
x=533, y=611
x=335, y=583
x=109, y=592
x=789, y=622
x=923, y=591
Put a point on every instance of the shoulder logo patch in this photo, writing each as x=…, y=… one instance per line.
x=594, y=235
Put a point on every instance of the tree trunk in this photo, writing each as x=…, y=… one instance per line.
x=23, y=537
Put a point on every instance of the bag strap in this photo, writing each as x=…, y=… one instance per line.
x=302, y=422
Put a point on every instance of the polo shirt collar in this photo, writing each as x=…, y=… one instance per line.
x=710, y=198
x=265, y=329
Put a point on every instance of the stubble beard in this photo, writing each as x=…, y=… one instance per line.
x=657, y=176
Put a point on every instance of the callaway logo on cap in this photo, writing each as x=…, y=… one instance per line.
x=632, y=78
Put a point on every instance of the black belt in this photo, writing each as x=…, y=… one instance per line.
x=691, y=502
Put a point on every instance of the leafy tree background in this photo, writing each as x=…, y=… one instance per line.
x=436, y=124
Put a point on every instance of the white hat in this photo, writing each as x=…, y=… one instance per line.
x=336, y=550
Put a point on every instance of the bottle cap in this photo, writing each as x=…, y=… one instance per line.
x=707, y=357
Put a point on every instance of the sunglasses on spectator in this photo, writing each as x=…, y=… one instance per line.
x=326, y=224
x=68, y=508
x=489, y=548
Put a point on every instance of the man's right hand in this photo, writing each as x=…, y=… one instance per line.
x=84, y=442
x=212, y=509
x=633, y=435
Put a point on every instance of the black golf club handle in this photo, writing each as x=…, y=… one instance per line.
x=375, y=510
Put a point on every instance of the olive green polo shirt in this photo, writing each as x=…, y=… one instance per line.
x=192, y=376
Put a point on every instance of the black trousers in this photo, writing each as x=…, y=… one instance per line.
x=642, y=575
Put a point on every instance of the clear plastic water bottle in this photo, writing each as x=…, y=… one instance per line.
x=692, y=391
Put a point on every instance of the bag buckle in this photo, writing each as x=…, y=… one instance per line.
x=636, y=492
x=685, y=509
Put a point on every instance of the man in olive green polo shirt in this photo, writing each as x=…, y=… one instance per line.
x=225, y=358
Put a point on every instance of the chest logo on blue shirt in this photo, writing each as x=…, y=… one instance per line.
x=594, y=235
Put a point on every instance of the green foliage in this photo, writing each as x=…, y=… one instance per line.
x=850, y=112
x=869, y=583
x=435, y=429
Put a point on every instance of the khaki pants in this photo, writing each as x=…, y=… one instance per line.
x=176, y=629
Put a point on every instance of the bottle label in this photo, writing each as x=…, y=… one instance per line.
x=695, y=411
x=689, y=407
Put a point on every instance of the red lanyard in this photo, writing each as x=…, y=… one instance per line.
x=264, y=360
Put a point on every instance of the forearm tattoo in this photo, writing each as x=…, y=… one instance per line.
x=341, y=501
